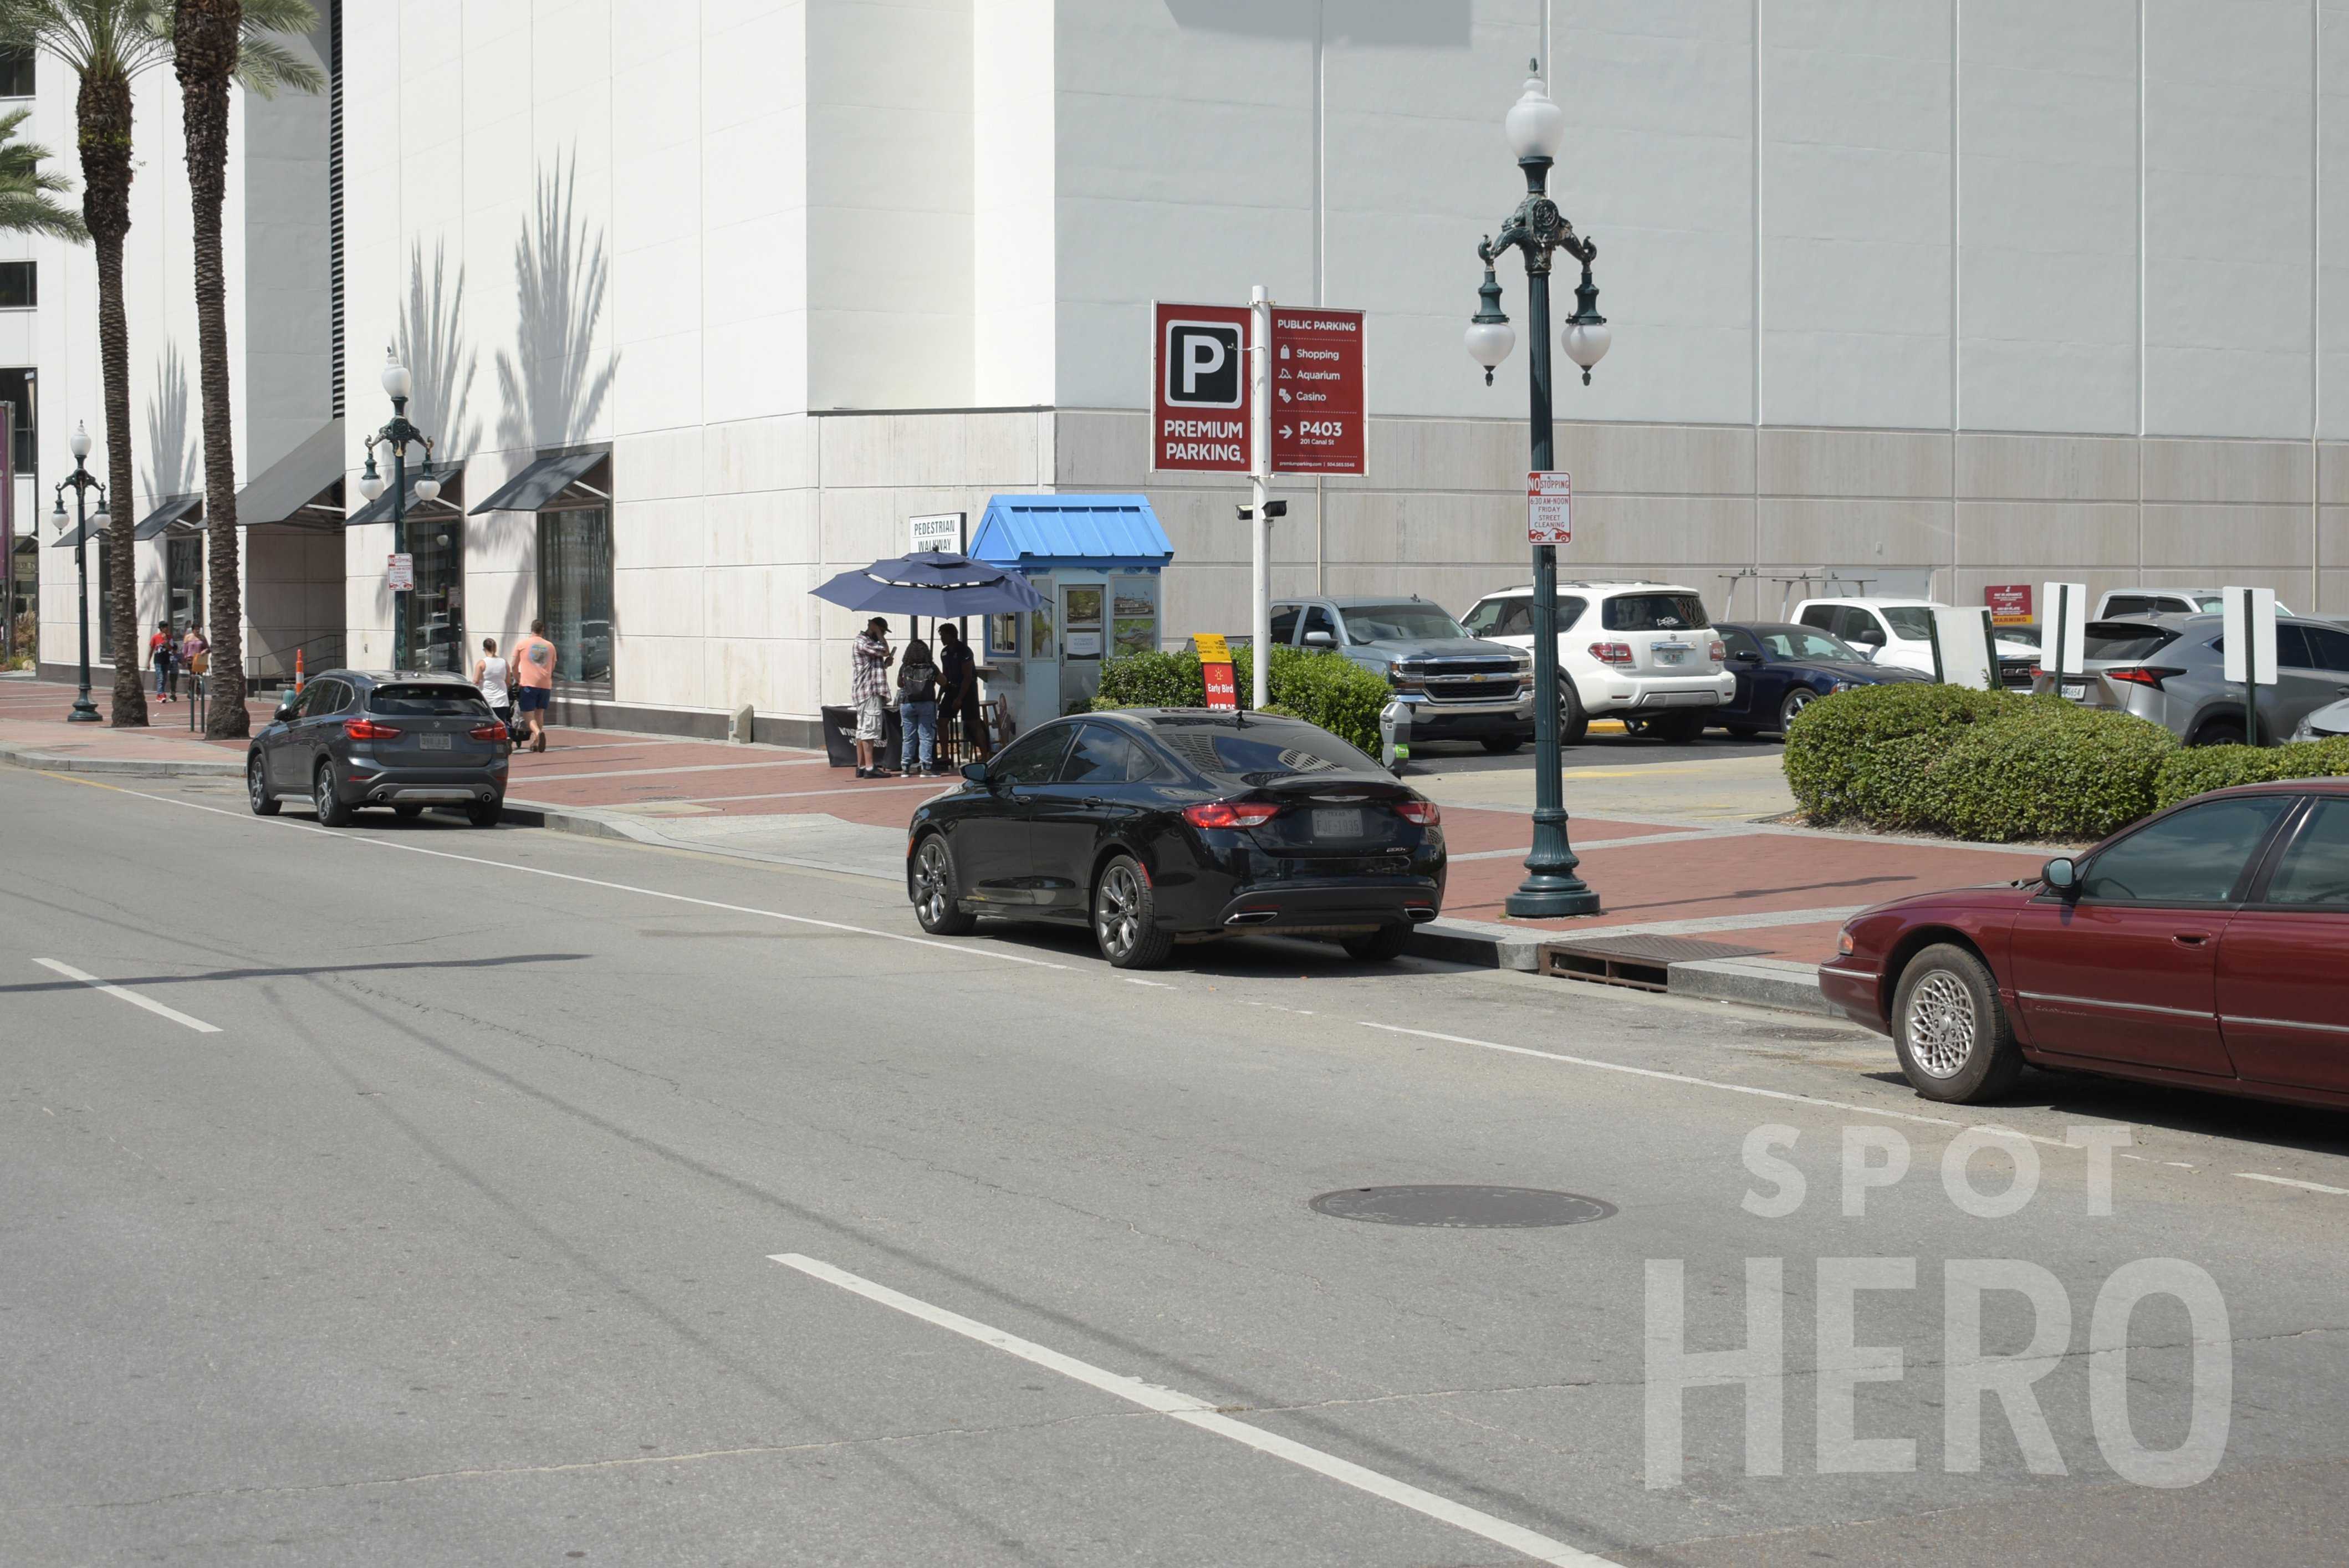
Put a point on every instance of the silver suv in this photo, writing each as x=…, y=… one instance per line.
x=2171, y=669
x=1458, y=687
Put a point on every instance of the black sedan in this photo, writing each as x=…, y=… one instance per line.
x=361, y=738
x=1155, y=825
x=1782, y=669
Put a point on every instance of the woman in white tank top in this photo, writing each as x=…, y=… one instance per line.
x=491, y=675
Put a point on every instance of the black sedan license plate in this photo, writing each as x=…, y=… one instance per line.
x=434, y=742
x=1336, y=822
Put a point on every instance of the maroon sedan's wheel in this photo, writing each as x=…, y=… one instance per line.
x=1952, y=1036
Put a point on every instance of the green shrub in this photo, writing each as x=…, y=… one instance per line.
x=1982, y=764
x=2190, y=772
x=1326, y=689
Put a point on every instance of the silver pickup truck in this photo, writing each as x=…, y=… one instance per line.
x=1459, y=687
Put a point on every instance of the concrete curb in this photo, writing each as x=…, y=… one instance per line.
x=122, y=767
x=1756, y=982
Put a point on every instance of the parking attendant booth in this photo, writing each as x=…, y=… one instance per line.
x=1095, y=559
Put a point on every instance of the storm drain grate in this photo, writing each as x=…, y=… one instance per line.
x=1462, y=1208
x=1641, y=963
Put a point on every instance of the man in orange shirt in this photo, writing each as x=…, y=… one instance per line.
x=533, y=666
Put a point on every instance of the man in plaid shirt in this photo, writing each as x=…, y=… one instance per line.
x=868, y=662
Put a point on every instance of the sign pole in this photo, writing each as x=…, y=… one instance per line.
x=2250, y=671
x=1259, y=471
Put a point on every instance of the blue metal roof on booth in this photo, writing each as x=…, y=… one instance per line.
x=1037, y=533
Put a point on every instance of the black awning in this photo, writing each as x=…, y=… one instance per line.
x=303, y=488
x=73, y=536
x=380, y=509
x=174, y=509
x=542, y=481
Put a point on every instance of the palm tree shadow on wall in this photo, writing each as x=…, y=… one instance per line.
x=172, y=454
x=550, y=390
x=432, y=345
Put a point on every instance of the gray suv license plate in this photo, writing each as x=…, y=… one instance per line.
x=1337, y=822
x=435, y=742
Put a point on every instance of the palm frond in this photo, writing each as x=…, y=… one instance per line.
x=90, y=37
x=264, y=64
x=27, y=212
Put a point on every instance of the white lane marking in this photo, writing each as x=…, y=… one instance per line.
x=1196, y=1412
x=598, y=881
x=1712, y=1083
x=133, y=998
x=2288, y=1181
x=1585, y=846
x=538, y=778
x=1154, y=985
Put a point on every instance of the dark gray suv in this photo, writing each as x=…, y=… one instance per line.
x=360, y=738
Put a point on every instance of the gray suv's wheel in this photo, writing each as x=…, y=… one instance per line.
x=332, y=812
x=256, y=787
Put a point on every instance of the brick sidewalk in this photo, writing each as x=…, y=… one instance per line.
x=1784, y=890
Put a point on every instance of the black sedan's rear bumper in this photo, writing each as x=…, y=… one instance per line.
x=1353, y=904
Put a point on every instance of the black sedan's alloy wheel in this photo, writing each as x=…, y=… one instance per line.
x=936, y=890
x=1126, y=917
x=1797, y=700
x=256, y=787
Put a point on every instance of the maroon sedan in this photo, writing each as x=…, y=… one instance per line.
x=2207, y=945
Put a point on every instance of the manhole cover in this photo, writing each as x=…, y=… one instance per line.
x=1462, y=1208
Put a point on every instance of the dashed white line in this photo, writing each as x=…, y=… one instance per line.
x=133, y=998
x=2288, y=1181
x=1196, y=1412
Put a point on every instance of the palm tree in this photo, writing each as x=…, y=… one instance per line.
x=214, y=42
x=105, y=42
x=25, y=187
x=26, y=209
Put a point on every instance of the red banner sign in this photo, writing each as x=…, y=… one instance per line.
x=1317, y=391
x=2010, y=604
x=1199, y=388
x=1223, y=692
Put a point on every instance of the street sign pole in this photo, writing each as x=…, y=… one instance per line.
x=1259, y=472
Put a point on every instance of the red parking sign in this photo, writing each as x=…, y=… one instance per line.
x=1199, y=388
x=1317, y=391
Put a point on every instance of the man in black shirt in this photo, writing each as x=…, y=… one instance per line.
x=959, y=687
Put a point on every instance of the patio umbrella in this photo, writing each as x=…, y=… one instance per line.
x=935, y=582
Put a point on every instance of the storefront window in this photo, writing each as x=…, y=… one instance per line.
x=17, y=388
x=575, y=592
x=436, y=609
x=103, y=611
x=184, y=564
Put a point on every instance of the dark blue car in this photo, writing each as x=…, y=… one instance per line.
x=1781, y=669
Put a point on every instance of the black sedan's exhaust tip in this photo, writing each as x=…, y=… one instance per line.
x=1251, y=916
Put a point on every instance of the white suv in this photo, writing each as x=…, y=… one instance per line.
x=1898, y=634
x=1643, y=652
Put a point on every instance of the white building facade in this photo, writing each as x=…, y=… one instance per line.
x=708, y=298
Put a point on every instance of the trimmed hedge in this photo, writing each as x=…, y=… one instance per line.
x=2190, y=772
x=1982, y=764
x=1325, y=689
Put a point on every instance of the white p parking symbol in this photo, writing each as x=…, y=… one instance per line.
x=1203, y=364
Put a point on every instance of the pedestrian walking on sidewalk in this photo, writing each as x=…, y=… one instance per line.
x=163, y=653
x=533, y=676
x=492, y=674
x=958, y=687
x=917, y=708
x=868, y=685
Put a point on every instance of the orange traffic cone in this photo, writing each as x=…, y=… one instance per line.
x=298, y=672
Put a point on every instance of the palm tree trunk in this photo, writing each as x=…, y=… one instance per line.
x=102, y=116
x=205, y=39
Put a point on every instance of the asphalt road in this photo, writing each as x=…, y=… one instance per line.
x=434, y=1218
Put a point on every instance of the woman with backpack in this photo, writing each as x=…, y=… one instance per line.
x=917, y=706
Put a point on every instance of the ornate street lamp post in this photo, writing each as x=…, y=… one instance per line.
x=1537, y=127
x=398, y=435
x=81, y=482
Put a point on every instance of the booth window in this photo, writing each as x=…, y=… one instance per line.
x=1002, y=637
x=575, y=592
x=19, y=285
x=15, y=73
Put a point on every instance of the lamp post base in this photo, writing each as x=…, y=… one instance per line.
x=1546, y=897
x=84, y=712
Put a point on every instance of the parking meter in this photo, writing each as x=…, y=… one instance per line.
x=1395, y=734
